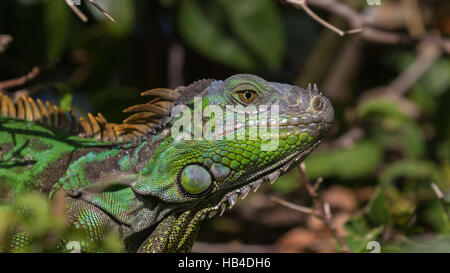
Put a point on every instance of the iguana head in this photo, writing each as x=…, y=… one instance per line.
x=206, y=173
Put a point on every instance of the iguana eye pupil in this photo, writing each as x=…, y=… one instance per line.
x=195, y=179
x=247, y=96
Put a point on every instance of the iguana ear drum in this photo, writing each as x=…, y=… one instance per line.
x=195, y=180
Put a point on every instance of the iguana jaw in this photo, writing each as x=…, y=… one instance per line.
x=267, y=174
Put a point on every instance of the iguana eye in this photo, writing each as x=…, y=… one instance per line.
x=195, y=179
x=247, y=96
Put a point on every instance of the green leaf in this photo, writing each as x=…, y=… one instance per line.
x=241, y=34
x=66, y=101
x=7, y=220
x=378, y=214
x=354, y=162
x=57, y=19
x=380, y=107
x=206, y=35
x=416, y=169
x=433, y=214
x=35, y=213
x=257, y=23
x=436, y=80
x=413, y=141
x=443, y=150
x=422, y=244
x=359, y=234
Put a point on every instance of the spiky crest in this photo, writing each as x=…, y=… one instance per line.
x=146, y=118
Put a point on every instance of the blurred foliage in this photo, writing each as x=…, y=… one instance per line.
x=242, y=34
x=43, y=223
x=405, y=155
x=101, y=67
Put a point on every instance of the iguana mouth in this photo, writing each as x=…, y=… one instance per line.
x=268, y=174
x=311, y=124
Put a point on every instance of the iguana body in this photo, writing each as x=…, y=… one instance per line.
x=133, y=178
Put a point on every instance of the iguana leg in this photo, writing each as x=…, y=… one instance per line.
x=19, y=241
x=157, y=242
x=79, y=214
x=173, y=234
x=89, y=218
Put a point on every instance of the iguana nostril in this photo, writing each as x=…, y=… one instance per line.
x=318, y=104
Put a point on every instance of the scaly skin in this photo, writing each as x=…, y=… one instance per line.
x=150, y=189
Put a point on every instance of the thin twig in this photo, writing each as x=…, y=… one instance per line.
x=321, y=210
x=5, y=40
x=308, y=185
x=76, y=10
x=324, y=208
x=93, y=3
x=302, y=4
x=35, y=71
x=82, y=16
x=440, y=195
x=359, y=22
x=296, y=207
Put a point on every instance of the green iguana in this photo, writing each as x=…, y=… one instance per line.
x=135, y=178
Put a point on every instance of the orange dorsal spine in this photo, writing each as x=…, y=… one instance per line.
x=146, y=118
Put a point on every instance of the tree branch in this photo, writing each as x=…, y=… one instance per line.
x=76, y=10
x=321, y=210
x=361, y=24
x=107, y=15
x=302, y=4
x=82, y=16
x=5, y=40
x=35, y=71
x=428, y=54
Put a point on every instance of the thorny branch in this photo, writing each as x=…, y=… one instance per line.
x=321, y=210
x=82, y=16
